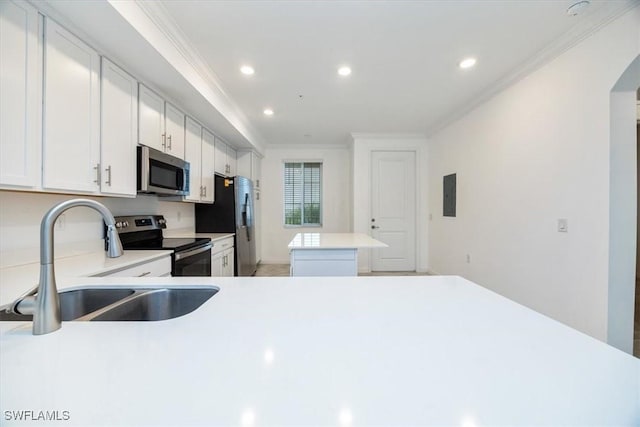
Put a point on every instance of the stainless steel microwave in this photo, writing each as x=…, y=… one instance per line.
x=161, y=173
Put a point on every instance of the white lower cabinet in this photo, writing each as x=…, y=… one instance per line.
x=156, y=268
x=324, y=262
x=222, y=254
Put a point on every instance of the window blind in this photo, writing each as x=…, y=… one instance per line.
x=302, y=193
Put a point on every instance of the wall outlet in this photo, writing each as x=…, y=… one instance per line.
x=563, y=225
x=179, y=216
x=468, y=259
x=430, y=217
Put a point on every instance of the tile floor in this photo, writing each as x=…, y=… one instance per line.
x=283, y=270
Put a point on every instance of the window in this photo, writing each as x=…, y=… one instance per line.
x=302, y=193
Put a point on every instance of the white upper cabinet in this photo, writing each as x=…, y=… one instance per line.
x=232, y=161
x=249, y=165
x=193, y=154
x=174, y=131
x=208, y=166
x=151, y=119
x=225, y=159
x=119, y=130
x=199, y=152
x=71, y=126
x=20, y=95
x=161, y=124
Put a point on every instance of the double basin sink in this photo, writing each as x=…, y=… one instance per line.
x=125, y=304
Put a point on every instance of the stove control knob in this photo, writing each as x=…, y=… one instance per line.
x=125, y=224
x=119, y=224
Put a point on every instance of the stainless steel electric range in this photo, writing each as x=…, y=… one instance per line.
x=191, y=256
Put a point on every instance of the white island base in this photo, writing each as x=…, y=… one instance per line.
x=328, y=254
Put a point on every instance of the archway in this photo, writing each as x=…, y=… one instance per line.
x=623, y=196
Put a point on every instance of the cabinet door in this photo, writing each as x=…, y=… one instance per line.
x=228, y=263
x=193, y=155
x=174, y=129
x=256, y=171
x=208, y=166
x=231, y=161
x=217, y=262
x=71, y=146
x=20, y=86
x=119, y=130
x=150, y=118
x=221, y=157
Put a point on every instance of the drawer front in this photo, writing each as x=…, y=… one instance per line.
x=157, y=268
x=222, y=245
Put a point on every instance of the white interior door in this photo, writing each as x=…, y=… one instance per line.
x=393, y=210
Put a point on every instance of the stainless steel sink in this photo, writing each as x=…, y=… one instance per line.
x=158, y=304
x=125, y=304
x=80, y=302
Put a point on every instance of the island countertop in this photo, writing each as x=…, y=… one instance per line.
x=334, y=241
x=341, y=351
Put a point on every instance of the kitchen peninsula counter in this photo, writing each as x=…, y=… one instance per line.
x=345, y=351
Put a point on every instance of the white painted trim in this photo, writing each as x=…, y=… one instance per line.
x=152, y=18
x=344, y=146
x=387, y=136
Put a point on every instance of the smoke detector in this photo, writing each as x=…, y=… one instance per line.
x=578, y=7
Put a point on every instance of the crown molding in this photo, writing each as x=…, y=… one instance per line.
x=307, y=147
x=166, y=25
x=560, y=45
x=386, y=136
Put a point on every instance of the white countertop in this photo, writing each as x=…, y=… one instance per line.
x=187, y=233
x=322, y=351
x=14, y=281
x=334, y=241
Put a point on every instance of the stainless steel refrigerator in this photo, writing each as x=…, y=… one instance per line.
x=232, y=212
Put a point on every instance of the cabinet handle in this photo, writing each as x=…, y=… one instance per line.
x=108, y=181
x=146, y=273
x=205, y=191
x=169, y=138
x=258, y=196
x=164, y=140
x=97, y=169
x=257, y=183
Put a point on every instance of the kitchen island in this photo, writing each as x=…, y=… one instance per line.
x=436, y=350
x=328, y=254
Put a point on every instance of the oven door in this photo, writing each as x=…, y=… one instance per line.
x=192, y=262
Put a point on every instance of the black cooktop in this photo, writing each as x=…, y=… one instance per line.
x=145, y=232
x=168, y=243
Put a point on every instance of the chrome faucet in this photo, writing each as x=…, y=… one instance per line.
x=45, y=304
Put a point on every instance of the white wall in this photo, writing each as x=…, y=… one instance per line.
x=21, y=213
x=537, y=152
x=336, y=192
x=362, y=147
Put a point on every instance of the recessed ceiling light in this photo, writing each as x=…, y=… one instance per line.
x=268, y=112
x=467, y=63
x=344, y=71
x=577, y=7
x=247, y=70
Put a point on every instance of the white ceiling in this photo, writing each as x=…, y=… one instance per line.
x=404, y=56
